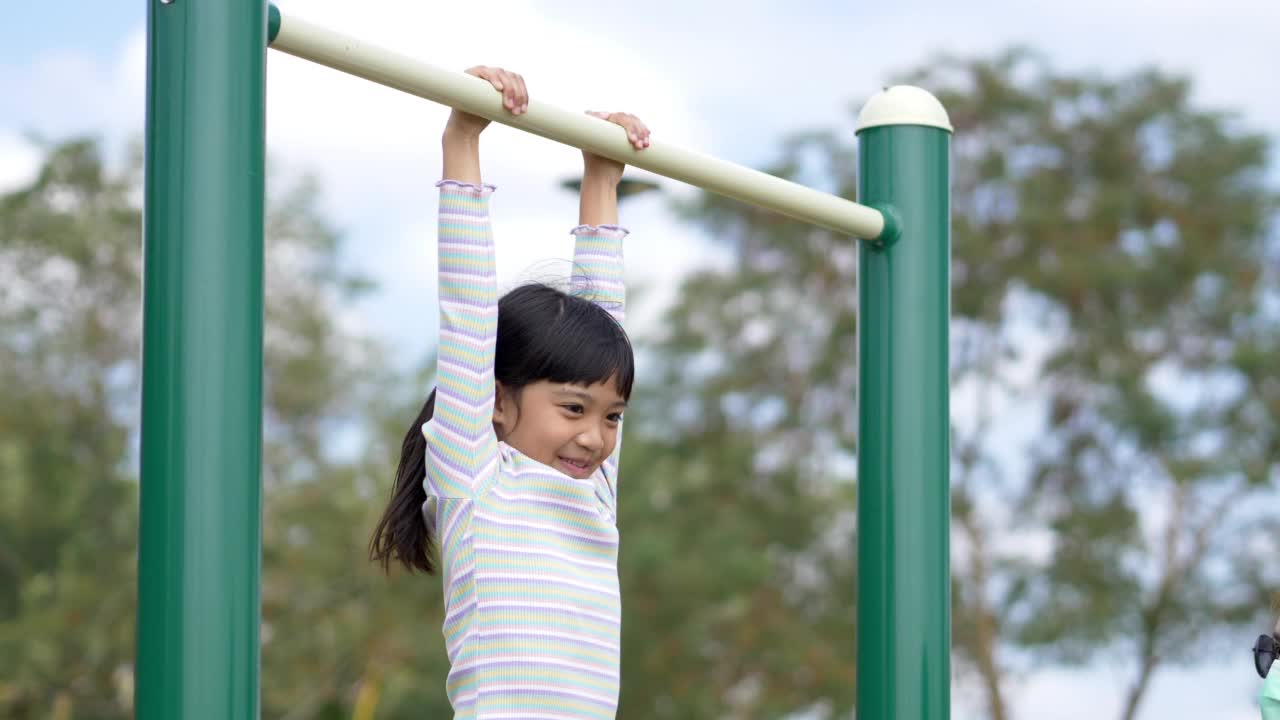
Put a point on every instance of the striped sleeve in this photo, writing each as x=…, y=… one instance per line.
x=462, y=451
x=597, y=267
x=597, y=276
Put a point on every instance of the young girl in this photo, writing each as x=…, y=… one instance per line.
x=513, y=459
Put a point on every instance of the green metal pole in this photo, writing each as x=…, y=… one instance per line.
x=904, y=617
x=200, y=537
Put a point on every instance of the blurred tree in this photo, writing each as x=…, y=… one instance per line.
x=1111, y=249
x=738, y=505
x=1130, y=230
x=1133, y=232
x=70, y=314
x=341, y=640
x=335, y=633
x=68, y=352
x=1113, y=284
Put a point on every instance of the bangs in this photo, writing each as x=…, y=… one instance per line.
x=544, y=334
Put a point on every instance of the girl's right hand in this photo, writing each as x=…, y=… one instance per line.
x=515, y=98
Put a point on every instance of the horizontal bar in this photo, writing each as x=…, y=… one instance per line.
x=459, y=90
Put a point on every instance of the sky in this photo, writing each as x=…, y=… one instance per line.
x=728, y=79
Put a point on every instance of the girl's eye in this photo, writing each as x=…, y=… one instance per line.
x=576, y=409
x=615, y=418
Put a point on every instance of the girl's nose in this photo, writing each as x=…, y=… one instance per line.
x=591, y=439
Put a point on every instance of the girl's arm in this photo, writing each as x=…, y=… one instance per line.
x=597, y=249
x=462, y=450
x=597, y=273
x=598, y=201
x=597, y=252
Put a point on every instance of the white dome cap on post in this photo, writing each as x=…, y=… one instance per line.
x=904, y=105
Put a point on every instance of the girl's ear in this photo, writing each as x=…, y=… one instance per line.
x=503, y=410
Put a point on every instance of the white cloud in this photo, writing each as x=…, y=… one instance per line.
x=531, y=247
x=129, y=85
x=562, y=65
x=65, y=91
x=377, y=150
x=19, y=161
x=790, y=65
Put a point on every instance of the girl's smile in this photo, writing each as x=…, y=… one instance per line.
x=575, y=468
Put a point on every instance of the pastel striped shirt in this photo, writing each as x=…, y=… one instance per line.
x=529, y=555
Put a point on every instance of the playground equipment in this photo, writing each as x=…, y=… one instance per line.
x=200, y=536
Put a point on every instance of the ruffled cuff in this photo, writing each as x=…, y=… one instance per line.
x=617, y=232
x=467, y=188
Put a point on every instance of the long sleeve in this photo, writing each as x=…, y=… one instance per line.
x=597, y=267
x=462, y=450
x=598, y=276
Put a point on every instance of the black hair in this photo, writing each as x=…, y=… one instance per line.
x=543, y=334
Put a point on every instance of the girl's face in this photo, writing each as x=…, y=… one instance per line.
x=566, y=426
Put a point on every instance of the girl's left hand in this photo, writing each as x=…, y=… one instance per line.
x=637, y=134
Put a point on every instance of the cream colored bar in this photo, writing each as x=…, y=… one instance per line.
x=457, y=89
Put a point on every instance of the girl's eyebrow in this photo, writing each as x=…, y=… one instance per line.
x=585, y=396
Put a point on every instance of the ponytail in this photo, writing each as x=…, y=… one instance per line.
x=402, y=533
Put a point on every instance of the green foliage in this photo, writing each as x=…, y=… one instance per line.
x=70, y=314
x=737, y=520
x=69, y=253
x=1139, y=226
x=726, y=609
x=335, y=626
x=1107, y=234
